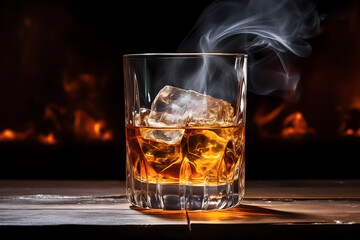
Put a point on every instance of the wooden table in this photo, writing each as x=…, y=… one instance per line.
x=99, y=209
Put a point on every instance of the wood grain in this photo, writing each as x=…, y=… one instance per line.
x=290, y=209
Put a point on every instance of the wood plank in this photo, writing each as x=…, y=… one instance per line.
x=84, y=209
x=283, y=212
x=62, y=188
x=31, y=210
x=254, y=189
x=100, y=208
x=303, y=189
x=306, y=209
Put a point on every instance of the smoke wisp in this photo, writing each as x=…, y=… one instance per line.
x=272, y=32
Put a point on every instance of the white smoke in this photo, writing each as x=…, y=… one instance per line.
x=271, y=32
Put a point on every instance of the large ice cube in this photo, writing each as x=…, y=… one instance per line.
x=168, y=136
x=160, y=135
x=139, y=118
x=176, y=107
x=179, y=107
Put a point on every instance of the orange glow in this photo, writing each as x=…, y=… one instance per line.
x=97, y=128
x=10, y=135
x=349, y=131
x=50, y=114
x=358, y=132
x=240, y=212
x=7, y=134
x=295, y=125
x=107, y=136
x=81, y=89
x=352, y=132
x=88, y=79
x=47, y=139
x=69, y=86
x=79, y=82
x=355, y=103
x=261, y=118
x=86, y=127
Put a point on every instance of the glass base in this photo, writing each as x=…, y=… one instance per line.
x=184, y=197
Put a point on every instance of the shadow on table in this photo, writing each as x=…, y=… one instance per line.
x=241, y=212
x=166, y=214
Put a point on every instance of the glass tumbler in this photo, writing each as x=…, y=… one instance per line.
x=185, y=130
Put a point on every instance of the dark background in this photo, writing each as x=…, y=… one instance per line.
x=41, y=42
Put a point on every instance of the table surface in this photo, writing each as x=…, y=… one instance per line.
x=98, y=209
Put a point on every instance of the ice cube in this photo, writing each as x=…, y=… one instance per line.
x=139, y=118
x=176, y=107
x=179, y=107
x=168, y=136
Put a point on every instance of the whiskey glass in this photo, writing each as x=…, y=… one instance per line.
x=185, y=130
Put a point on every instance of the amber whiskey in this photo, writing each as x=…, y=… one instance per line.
x=196, y=156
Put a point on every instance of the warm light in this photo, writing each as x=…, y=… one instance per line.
x=261, y=118
x=47, y=139
x=51, y=113
x=78, y=82
x=69, y=85
x=352, y=132
x=97, y=128
x=358, y=132
x=295, y=125
x=349, y=131
x=88, y=79
x=86, y=127
x=355, y=103
x=107, y=136
x=9, y=135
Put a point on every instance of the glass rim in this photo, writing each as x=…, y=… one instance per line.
x=184, y=54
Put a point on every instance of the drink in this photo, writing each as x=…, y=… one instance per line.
x=205, y=161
